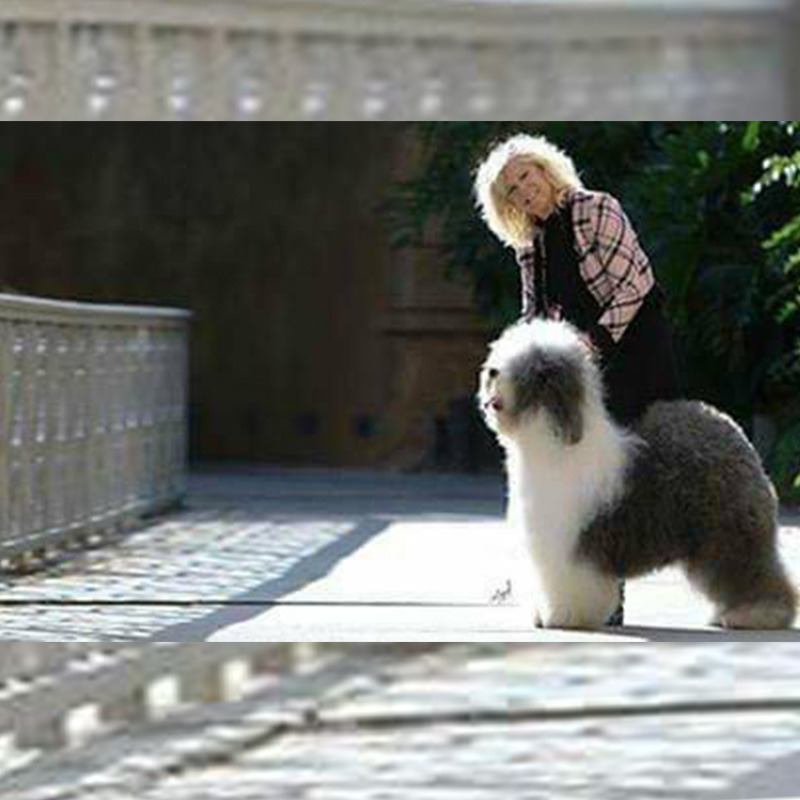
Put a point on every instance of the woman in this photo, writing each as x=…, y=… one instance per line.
x=580, y=260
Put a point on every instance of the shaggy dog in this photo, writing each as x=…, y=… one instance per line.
x=595, y=501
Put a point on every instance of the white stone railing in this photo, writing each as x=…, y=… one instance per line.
x=47, y=688
x=396, y=59
x=92, y=420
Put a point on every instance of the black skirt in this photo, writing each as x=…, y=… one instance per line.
x=639, y=369
x=642, y=368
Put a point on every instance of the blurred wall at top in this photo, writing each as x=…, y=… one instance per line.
x=313, y=341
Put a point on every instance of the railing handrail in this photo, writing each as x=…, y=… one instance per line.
x=381, y=16
x=13, y=306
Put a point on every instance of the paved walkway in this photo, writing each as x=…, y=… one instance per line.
x=263, y=554
x=473, y=721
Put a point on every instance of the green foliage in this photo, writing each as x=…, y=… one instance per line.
x=703, y=224
x=783, y=250
x=436, y=209
x=784, y=463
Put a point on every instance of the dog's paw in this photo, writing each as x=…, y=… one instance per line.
x=757, y=616
x=567, y=619
x=549, y=619
x=554, y=623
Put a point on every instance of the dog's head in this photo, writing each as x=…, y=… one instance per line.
x=535, y=368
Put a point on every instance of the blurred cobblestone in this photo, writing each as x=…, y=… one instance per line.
x=644, y=756
x=687, y=757
x=194, y=555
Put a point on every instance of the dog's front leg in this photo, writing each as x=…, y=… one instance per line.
x=528, y=593
x=581, y=597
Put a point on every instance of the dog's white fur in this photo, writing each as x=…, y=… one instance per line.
x=553, y=492
x=550, y=500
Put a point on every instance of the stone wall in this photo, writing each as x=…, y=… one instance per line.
x=313, y=342
x=388, y=343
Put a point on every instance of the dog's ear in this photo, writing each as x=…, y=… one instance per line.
x=528, y=390
x=568, y=422
x=565, y=400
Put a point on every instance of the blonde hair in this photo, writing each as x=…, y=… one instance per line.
x=513, y=227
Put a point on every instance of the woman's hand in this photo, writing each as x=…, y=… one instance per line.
x=593, y=349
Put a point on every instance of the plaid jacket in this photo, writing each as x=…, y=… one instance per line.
x=614, y=266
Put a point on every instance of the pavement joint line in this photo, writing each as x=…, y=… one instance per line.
x=507, y=716
x=313, y=720
x=17, y=602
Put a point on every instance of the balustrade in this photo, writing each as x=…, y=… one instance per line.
x=92, y=419
x=45, y=686
x=394, y=59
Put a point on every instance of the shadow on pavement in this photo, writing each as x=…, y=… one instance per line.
x=256, y=601
x=775, y=780
x=702, y=635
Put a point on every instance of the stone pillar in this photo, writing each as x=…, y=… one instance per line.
x=436, y=342
x=436, y=353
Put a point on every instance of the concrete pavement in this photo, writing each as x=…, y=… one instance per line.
x=427, y=581
x=264, y=554
x=423, y=578
x=248, y=537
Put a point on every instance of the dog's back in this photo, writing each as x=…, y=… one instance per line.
x=696, y=484
x=718, y=465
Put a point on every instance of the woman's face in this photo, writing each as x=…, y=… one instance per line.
x=528, y=188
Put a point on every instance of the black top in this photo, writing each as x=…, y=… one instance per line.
x=639, y=369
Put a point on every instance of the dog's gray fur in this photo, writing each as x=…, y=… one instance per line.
x=695, y=491
x=697, y=494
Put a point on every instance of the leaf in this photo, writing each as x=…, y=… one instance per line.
x=752, y=136
x=788, y=233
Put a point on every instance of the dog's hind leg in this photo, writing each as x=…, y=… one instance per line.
x=772, y=604
x=756, y=595
x=766, y=615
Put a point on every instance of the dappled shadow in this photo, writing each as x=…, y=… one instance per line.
x=178, y=569
x=247, y=535
x=257, y=600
